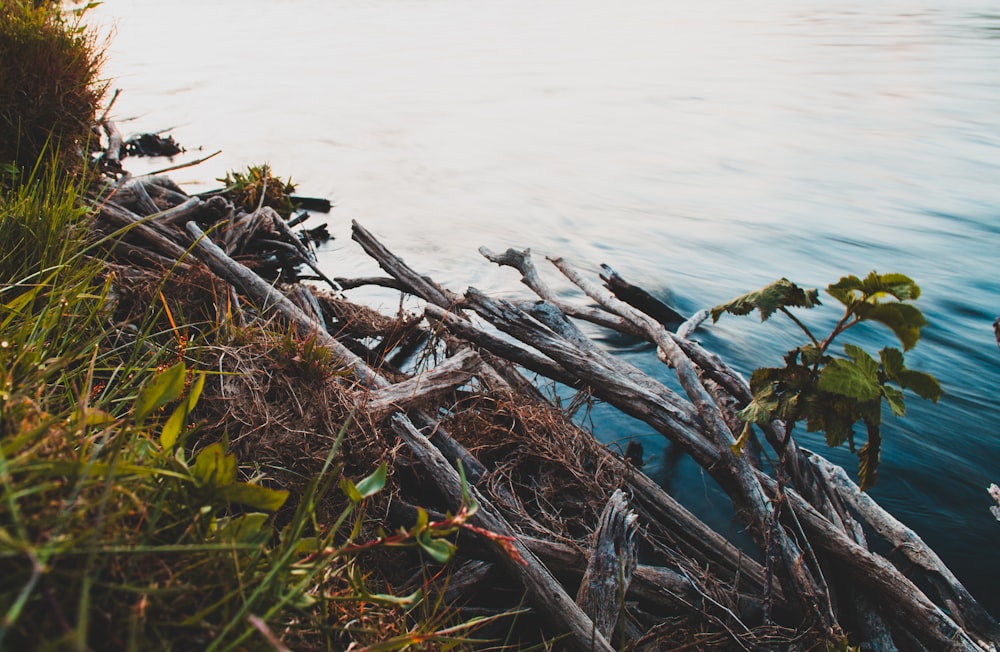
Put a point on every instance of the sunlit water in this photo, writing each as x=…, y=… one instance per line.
x=702, y=151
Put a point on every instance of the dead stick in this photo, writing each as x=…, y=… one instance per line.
x=545, y=593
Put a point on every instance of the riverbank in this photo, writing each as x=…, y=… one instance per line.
x=246, y=465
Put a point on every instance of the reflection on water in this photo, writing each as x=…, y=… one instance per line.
x=703, y=151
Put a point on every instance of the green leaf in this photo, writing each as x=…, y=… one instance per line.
x=254, y=496
x=174, y=426
x=847, y=290
x=248, y=528
x=163, y=388
x=350, y=490
x=393, y=601
x=780, y=294
x=895, y=399
x=923, y=384
x=762, y=408
x=373, y=483
x=903, y=319
x=851, y=378
x=422, y=520
x=851, y=290
x=214, y=467
x=440, y=550
x=892, y=362
x=899, y=286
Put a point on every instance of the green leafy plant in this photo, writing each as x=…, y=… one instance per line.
x=257, y=186
x=831, y=393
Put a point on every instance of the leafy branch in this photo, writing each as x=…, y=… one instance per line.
x=832, y=394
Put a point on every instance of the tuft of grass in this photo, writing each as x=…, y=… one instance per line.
x=50, y=87
x=257, y=186
x=42, y=226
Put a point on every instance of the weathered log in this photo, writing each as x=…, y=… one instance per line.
x=161, y=240
x=305, y=255
x=695, y=539
x=318, y=204
x=211, y=211
x=994, y=492
x=808, y=586
x=613, y=558
x=163, y=193
x=661, y=588
x=961, y=605
x=381, y=281
x=306, y=301
x=467, y=581
x=418, y=285
x=639, y=299
x=445, y=377
x=521, y=261
x=116, y=145
x=133, y=195
x=502, y=348
x=545, y=593
x=899, y=596
x=270, y=300
x=691, y=325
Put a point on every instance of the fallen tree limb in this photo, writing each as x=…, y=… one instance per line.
x=810, y=589
x=416, y=284
x=961, y=605
x=613, y=559
x=546, y=594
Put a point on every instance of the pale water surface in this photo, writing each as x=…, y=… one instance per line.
x=702, y=149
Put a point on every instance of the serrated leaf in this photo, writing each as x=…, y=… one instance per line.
x=832, y=415
x=924, y=385
x=254, y=496
x=903, y=319
x=214, y=467
x=811, y=355
x=372, y=484
x=896, y=400
x=851, y=290
x=847, y=290
x=899, y=286
x=892, y=362
x=761, y=409
x=851, y=379
x=861, y=358
x=780, y=294
x=174, y=426
x=163, y=388
x=765, y=377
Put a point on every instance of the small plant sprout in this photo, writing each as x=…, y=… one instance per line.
x=833, y=393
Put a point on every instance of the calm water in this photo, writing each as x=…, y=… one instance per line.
x=701, y=151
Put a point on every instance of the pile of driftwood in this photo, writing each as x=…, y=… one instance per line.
x=597, y=553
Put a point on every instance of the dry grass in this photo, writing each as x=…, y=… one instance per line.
x=50, y=86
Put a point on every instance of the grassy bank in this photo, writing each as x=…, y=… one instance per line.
x=125, y=520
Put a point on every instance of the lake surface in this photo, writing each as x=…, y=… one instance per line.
x=702, y=151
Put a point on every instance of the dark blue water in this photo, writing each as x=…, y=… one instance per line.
x=701, y=151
